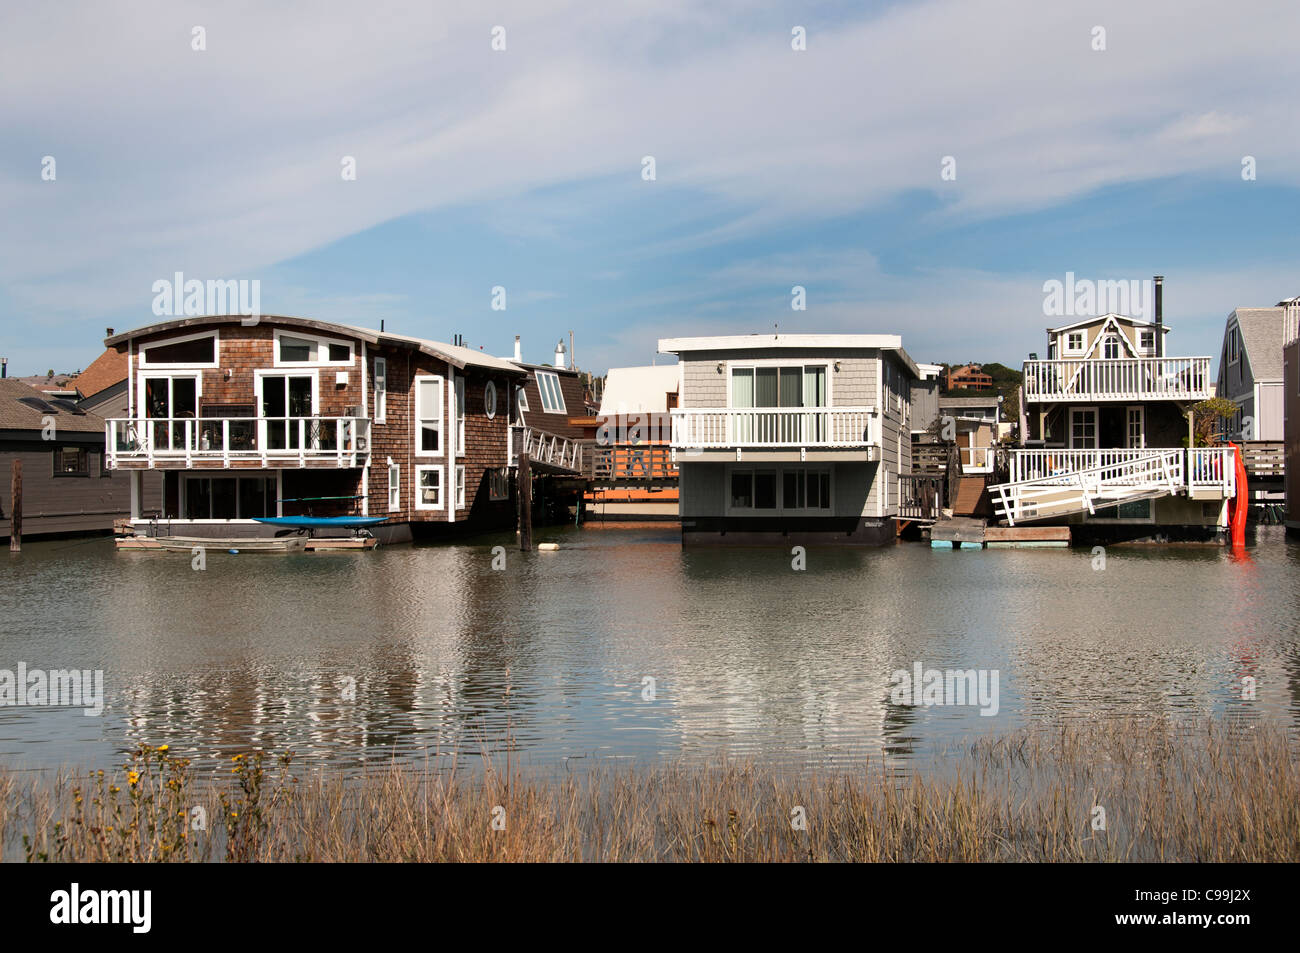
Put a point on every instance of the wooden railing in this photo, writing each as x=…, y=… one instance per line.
x=632, y=463
x=922, y=496
x=1138, y=378
x=1265, y=459
x=977, y=459
x=552, y=449
x=171, y=441
x=776, y=427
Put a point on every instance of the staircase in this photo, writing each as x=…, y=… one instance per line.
x=1135, y=477
x=968, y=496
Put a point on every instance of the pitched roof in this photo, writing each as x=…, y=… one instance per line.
x=15, y=415
x=1086, y=322
x=812, y=342
x=1261, y=339
x=454, y=354
x=106, y=370
x=631, y=390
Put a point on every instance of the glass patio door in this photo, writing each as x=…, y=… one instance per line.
x=285, y=400
x=168, y=402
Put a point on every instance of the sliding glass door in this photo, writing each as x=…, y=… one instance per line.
x=784, y=389
x=168, y=402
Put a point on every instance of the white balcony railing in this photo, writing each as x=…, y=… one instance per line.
x=725, y=428
x=977, y=459
x=1046, y=483
x=171, y=441
x=1138, y=378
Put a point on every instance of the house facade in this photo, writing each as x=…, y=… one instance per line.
x=1105, y=446
x=295, y=417
x=791, y=437
x=1250, y=369
x=67, y=486
x=968, y=377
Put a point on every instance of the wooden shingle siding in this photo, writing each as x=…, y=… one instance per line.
x=574, y=403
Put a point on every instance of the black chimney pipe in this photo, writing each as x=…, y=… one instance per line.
x=1160, y=315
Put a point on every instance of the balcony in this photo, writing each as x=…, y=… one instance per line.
x=1138, y=378
x=776, y=428
x=188, y=443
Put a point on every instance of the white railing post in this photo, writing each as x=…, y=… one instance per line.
x=225, y=442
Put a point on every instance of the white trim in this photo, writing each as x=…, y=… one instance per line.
x=418, y=410
x=459, y=488
x=490, y=404
x=1096, y=427
x=442, y=487
x=143, y=350
x=394, y=506
x=559, y=391
x=1142, y=428
x=458, y=411
x=317, y=339
x=748, y=342
x=1067, y=351
x=381, y=396
x=827, y=364
x=144, y=377
x=522, y=395
x=261, y=373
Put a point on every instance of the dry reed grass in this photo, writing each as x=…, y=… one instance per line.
x=1170, y=793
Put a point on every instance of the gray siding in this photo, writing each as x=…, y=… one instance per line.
x=67, y=504
x=854, y=385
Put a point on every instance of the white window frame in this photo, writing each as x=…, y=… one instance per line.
x=731, y=368
x=490, y=400
x=420, y=418
x=394, y=487
x=460, y=487
x=559, y=392
x=1142, y=426
x=1096, y=424
x=420, y=468
x=145, y=376
x=381, y=390
x=1149, y=518
x=522, y=397
x=143, y=353
x=1067, y=348
x=1108, y=338
x=1149, y=349
x=458, y=397
x=322, y=343
x=261, y=373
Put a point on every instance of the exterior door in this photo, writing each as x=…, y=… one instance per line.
x=168, y=402
x=286, y=399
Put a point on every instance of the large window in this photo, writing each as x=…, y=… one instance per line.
x=229, y=498
x=189, y=351
x=786, y=489
x=784, y=387
x=548, y=383
x=291, y=349
x=428, y=416
x=1135, y=430
x=428, y=488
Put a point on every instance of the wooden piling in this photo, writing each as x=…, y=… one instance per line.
x=525, y=504
x=16, y=509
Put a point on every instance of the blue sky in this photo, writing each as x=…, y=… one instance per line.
x=522, y=168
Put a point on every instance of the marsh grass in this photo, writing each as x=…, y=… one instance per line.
x=1173, y=793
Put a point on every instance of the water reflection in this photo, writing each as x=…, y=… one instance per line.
x=427, y=653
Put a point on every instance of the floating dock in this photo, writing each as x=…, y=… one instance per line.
x=963, y=532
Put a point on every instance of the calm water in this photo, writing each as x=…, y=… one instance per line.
x=748, y=656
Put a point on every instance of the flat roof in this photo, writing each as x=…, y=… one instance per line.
x=807, y=342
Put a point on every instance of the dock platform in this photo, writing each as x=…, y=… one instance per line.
x=963, y=532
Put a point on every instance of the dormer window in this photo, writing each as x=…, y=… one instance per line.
x=1110, y=347
x=1147, y=341
x=1074, y=342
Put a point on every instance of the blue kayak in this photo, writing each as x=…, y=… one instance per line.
x=322, y=522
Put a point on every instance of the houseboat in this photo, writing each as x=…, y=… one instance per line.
x=67, y=486
x=791, y=438
x=1250, y=375
x=287, y=416
x=1291, y=431
x=1108, y=438
x=633, y=474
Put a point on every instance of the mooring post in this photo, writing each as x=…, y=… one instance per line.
x=525, y=504
x=16, y=509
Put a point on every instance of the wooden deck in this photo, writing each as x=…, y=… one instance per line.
x=966, y=533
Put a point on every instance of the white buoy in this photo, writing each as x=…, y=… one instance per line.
x=548, y=547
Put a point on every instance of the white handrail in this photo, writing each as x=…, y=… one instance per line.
x=727, y=427
x=1137, y=378
x=190, y=439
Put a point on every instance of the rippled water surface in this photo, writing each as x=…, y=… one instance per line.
x=747, y=656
